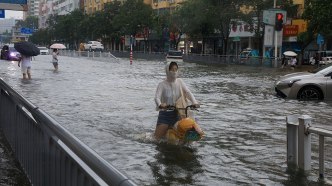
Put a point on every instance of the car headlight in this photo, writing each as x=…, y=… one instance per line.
x=291, y=82
x=12, y=54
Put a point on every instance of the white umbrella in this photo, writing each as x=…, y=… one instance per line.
x=290, y=53
x=58, y=46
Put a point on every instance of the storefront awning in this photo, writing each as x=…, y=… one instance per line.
x=293, y=5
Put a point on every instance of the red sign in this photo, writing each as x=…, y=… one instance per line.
x=173, y=34
x=142, y=33
x=290, y=30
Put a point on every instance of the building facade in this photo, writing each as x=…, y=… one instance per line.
x=62, y=7
x=45, y=10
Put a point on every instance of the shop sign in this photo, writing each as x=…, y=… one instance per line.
x=289, y=39
x=15, y=40
x=320, y=39
x=302, y=25
x=142, y=33
x=238, y=38
x=290, y=30
x=242, y=29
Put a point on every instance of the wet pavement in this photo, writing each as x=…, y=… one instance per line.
x=110, y=107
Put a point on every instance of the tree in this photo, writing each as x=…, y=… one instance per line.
x=318, y=16
x=32, y=22
x=132, y=15
x=225, y=14
x=197, y=19
x=111, y=9
x=161, y=25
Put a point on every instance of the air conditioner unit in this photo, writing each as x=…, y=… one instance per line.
x=155, y=4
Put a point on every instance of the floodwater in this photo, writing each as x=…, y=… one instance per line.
x=110, y=107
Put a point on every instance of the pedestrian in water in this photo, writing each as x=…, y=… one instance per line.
x=55, y=59
x=284, y=61
x=168, y=92
x=26, y=65
x=293, y=63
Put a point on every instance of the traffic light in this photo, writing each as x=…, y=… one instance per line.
x=279, y=21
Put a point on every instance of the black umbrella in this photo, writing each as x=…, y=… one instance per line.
x=27, y=48
x=290, y=49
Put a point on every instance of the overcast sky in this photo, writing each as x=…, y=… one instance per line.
x=15, y=14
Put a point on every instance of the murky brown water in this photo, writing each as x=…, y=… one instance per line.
x=110, y=106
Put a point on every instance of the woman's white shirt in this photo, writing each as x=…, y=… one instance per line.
x=164, y=93
x=293, y=61
x=56, y=56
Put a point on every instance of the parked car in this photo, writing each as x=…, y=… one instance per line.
x=9, y=52
x=174, y=55
x=44, y=51
x=93, y=46
x=312, y=85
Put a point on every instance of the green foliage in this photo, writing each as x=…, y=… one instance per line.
x=318, y=15
x=161, y=24
x=32, y=22
x=132, y=14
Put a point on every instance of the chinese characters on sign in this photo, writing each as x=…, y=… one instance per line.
x=290, y=30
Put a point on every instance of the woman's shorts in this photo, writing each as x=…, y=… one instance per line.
x=167, y=117
x=292, y=66
x=55, y=64
x=25, y=70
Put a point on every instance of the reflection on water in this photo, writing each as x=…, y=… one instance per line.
x=173, y=165
x=110, y=107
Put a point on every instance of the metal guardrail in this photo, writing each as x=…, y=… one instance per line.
x=205, y=58
x=49, y=154
x=299, y=132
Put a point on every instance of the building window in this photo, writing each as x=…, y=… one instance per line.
x=98, y=7
x=90, y=2
x=94, y=9
x=90, y=10
x=84, y=2
x=247, y=6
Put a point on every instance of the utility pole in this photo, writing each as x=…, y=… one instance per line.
x=276, y=38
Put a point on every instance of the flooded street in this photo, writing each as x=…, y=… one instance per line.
x=110, y=107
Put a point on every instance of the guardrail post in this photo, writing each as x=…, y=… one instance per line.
x=100, y=54
x=321, y=156
x=93, y=54
x=88, y=54
x=292, y=138
x=304, y=144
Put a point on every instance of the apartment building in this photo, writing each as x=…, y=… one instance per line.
x=45, y=10
x=62, y=7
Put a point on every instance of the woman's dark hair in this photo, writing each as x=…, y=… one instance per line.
x=172, y=64
x=55, y=50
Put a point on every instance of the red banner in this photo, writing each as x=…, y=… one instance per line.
x=142, y=33
x=290, y=30
x=172, y=34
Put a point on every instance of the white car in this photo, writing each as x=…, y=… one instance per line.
x=44, y=51
x=175, y=56
x=93, y=46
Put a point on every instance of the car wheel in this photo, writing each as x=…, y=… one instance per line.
x=90, y=49
x=310, y=93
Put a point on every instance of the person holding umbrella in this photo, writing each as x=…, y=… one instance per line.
x=55, y=59
x=26, y=49
x=55, y=47
x=26, y=66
